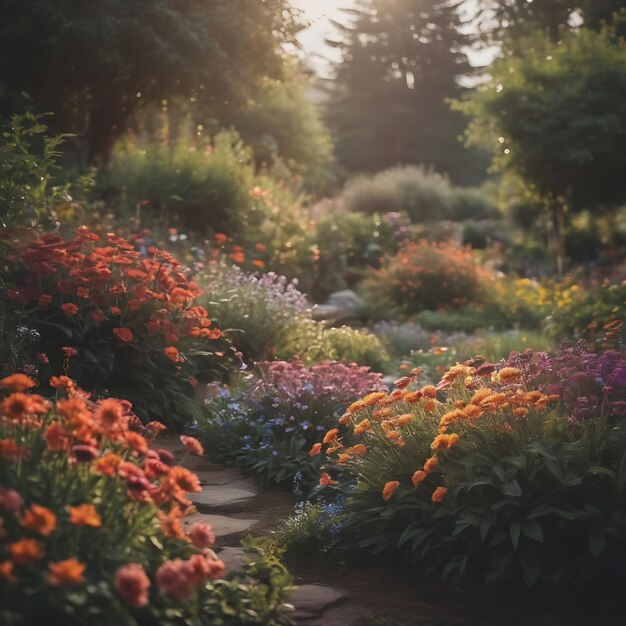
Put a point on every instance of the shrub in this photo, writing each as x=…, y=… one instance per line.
x=119, y=322
x=402, y=338
x=487, y=476
x=423, y=194
x=352, y=345
x=268, y=424
x=472, y=204
x=427, y=276
x=92, y=523
x=200, y=185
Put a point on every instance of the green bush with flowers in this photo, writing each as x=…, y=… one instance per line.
x=92, y=523
x=497, y=473
x=120, y=321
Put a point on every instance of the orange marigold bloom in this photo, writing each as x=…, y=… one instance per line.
x=39, y=519
x=155, y=427
x=17, y=382
x=110, y=414
x=6, y=570
x=380, y=414
x=26, y=551
x=68, y=572
x=316, y=449
x=192, y=445
x=372, y=398
x=439, y=494
x=472, y=412
x=431, y=464
x=18, y=405
x=362, y=427
x=325, y=480
x=444, y=442
x=333, y=449
x=57, y=437
x=429, y=391
x=359, y=449
x=123, y=334
x=403, y=420
x=413, y=396
x=184, y=479
x=134, y=441
x=520, y=411
x=389, y=489
x=85, y=515
x=331, y=435
x=107, y=464
x=507, y=374
x=172, y=354
x=343, y=458
x=69, y=308
x=344, y=420
x=418, y=477
x=10, y=450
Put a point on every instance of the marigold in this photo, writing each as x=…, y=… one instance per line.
x=26, y=551
x=439, y=494
x=6, y=571
x=418, y=477
x=325, y=480
x=331, y=435
x=362, y=427
x=85, y=515
x=359, y=449
x=123, y=334
x=69, y=308
x=10, y=450
x=445, y=442
x=132, y=585
x=192, y=445
x=68, y=572
x=431, y=464
x=172, y=354
x=316, y=449
x=18, y=405
x=39, y=519
x=107, y=464
x=17, y=382
x=389, y=489
x=507, y=374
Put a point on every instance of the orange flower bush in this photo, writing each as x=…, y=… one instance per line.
x=92, y=522
x=120, y=321
x=427, y=275
x=484, y=474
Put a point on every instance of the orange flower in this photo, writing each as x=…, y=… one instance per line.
x=184, y=479
x=110, y=414
x=17, y=382
x=85, y=515
x=418, y=477
x=362, y=427
x=107, y=464
x=68, y=572
x=172, y=354
x=507, y=374
x=39, y=519
x=444, y=442
x=6, y=571
x=10, y=450
x=18, y=405
x=315, y=449
x=332, y=449
x=123, y=334
x=389, y=489
x=373, y=398
x=69, y=308
x=192, y=445
x=359, y=449
x=403, y=420
x=343, y=458
x=439, y=494
x=57, y=437
x=331, y=435
x=325, y=480
x=258, y=263
x=431, y=464
x=134, y=441
x=25, y=551
x=520, y=411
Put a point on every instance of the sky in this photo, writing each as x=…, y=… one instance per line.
x=318, y=12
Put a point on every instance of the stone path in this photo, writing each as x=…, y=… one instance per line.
x=234, y=505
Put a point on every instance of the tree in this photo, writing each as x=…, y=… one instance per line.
x=401, y=60
x=94, y=62
x=556, y=117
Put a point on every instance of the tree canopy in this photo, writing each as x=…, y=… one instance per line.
x=94, y=62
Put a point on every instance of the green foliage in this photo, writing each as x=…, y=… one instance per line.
x=423, y=194
x=28, y=166
x=351, y=345
x=471, y=203
x=97, y=62
x=201, y=185
x=400, y=62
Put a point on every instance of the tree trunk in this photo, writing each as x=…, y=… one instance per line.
x=556, y=233
x=105, y=124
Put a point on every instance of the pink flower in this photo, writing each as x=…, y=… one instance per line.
x=177, y=579
x=201, y=535
x=10, y=500
x=132, y=584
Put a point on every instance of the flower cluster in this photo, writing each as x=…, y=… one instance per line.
x=78, y=476
x=109, y=314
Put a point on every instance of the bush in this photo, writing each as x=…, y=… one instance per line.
x=470, y=203
x=267, y=425
x=119, y=322
x=352, y=345
x=427, y=276
x=92, y=524
x=423, y=194
x=400, y=339
x=199, y=185
x=488, y=476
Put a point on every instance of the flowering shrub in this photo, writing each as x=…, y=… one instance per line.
x=91, y=522
x=483, y=476
x=268, y=424
x=119, y=322
x=427, y=276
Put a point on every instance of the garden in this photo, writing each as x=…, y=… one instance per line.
x=288, y=339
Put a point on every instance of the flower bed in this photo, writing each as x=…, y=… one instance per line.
x=91, y=523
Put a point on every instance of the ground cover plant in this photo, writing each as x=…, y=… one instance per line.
x=497, y=473
x=91, y=521
x=120, y=321
x=267, y=424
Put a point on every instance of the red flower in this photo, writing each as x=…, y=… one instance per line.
x=69, y=308
x=132, y=585
x=192, y=444
x=69, y=352
x=44, y=299
x=172, y=354
x=123, y=334
x=17, y=382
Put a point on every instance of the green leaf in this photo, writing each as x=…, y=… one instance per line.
x=511, y=488
x=516, y=529
x=533, y=530
x=597, y=543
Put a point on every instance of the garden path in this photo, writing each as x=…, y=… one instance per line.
x=234, y=505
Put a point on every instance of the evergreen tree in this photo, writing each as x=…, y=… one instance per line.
x=401, y=61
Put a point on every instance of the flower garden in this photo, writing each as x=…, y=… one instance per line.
x=249, y=379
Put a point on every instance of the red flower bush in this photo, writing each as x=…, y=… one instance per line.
x=121, y=322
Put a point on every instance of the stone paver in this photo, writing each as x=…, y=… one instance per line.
x=233, y=558
x=227, y=529
x=223, y=498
